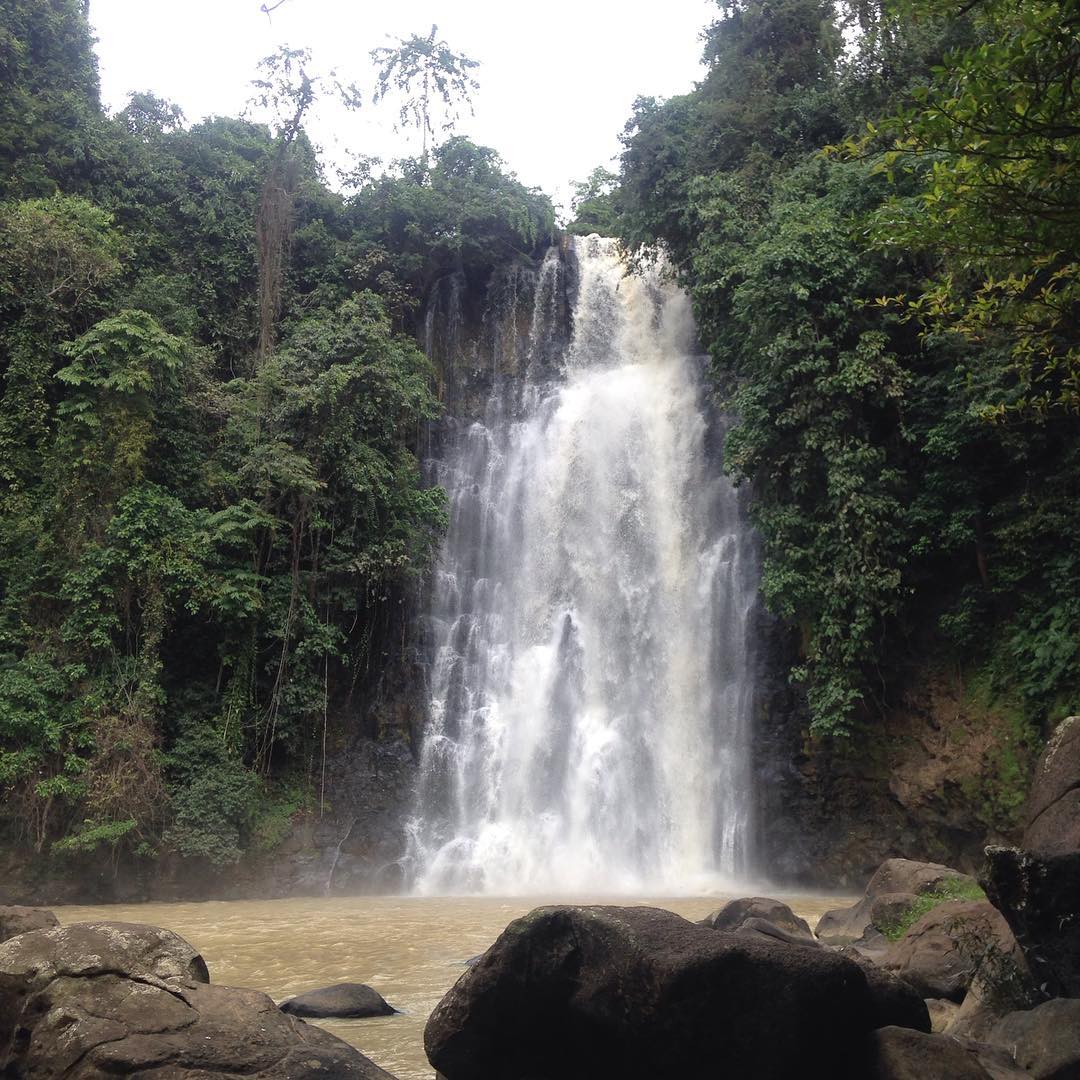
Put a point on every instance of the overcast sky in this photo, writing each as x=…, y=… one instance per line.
x=557, y=77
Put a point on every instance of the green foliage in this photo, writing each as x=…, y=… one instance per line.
x=594, y=204
x=950, y=889
x=92, y=835
x=895, y=520
x=463, y=213
x=995, y=139
x=48, y=97
x=206, y=542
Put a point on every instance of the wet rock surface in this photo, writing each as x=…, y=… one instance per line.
x=15, y=920
x=345, y=1000
x=99, y=999
x=761, y=915
x=575, y=992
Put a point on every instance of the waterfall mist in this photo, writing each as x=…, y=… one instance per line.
x=589, y=622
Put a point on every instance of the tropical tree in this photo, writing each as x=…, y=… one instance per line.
x=428, y=75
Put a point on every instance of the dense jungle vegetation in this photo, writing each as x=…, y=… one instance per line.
x=211, y=405
x=876, y=208
x=212, y=398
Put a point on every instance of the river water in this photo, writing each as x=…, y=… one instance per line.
x=410, y=949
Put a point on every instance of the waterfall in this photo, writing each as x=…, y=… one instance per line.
x=590, y=618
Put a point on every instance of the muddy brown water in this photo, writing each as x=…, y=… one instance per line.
x=410, y=949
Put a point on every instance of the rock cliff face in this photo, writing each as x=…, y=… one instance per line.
x=939, y=775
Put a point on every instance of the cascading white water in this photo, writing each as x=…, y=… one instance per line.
x=591, y=680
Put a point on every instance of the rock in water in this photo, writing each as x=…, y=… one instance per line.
x=16, y=920
x=761, y=915
x=568, y=993
x=345, y=1000
x=90, y=1000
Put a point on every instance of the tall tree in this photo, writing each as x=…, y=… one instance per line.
x=428, y=75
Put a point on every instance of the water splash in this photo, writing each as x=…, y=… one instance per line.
x=591, y=670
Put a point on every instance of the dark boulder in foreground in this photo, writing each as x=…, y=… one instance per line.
x=348, y=1001
x=15, y=920
x=761, y=915
x=568, y=993
x=100, y=999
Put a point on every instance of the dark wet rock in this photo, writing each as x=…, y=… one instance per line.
x=84, y=950
x=16, y=920
x=1044, y=1041
x=1052, y=813
x=101, y=999
x=1038, y=897
x=895, y=1001
x=939, y=954
x=896, y=1053
x=758, y=914
x=345, y=1000
x=576, y=992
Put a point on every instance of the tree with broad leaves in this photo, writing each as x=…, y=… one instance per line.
x=425, y=71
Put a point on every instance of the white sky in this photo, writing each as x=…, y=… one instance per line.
x=557, y=77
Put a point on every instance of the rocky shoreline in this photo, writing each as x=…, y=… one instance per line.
x=931, y=974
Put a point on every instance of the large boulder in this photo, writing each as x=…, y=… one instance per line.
x=761, y=915
x=1038, y=896
x=1052, y=814
x=894, y=887
x=911, y=876
x=895, y=1053
x=16, y=920
x=345, y=1000
x=576, y=992
x=1036, y=887
x=99, y=999
x=942, y=952
x=895, y=1001
x=1044, y=1041
x=84, y=950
